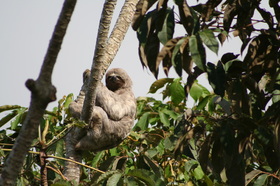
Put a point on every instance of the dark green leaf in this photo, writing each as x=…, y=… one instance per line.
x=186, y=17
x=143, y=175
x=177, y=56
x=217, y=78
x=141, y=8
x=165, y=55
x=197, y=52
x=167, y=30
x=208, y=38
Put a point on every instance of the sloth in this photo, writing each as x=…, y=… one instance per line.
x=113, y=116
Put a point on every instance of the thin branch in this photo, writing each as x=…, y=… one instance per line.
x=61, y=158
x=101, y=45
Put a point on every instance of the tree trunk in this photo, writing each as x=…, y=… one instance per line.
x=42, y=93
x=106, y=50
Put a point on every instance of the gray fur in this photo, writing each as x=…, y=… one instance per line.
x=113, y=115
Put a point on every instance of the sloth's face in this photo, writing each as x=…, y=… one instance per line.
x=114, y=82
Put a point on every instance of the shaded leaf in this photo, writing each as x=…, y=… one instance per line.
x=141, y=8
x=252, y=175
x=230, y=11
x=106, y=175
x=166, y=33
x=217, y=78
x=197, y=52
x=165, y=54
x=208, y=38
x=143, y=175
x=186, y=17
x=114, y=179
x=177, y=56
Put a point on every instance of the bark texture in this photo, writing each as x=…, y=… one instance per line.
x=72, y=170
x=105, y=51
x=42, y=93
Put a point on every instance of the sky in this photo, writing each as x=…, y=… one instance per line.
x=26, y=28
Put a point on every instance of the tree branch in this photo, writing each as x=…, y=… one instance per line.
x=42, y=93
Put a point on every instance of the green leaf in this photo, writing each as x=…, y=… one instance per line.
x=164, y=119
x=8, y=117
x=217, y=78
x=171, y=113
x=198, y=91
x=168, y=144
x=143, y=121
x=167, y=30
x=97, y=158
x=19, y=118
x=106, y=176
x=177, y=91
x=251, y=175
x=198, y=173
x=114, y=179
x=159, y=84
x=197, y=52
x=68, y=100
x=177, y=56
x=203, y=102
x=261, y=180
x=143, y=175
x=208, y=38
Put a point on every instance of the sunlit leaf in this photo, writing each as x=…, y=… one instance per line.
x=164, y=119
x=198, y=173
x=177, y=91
x=198, y=91
x=143, y=121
